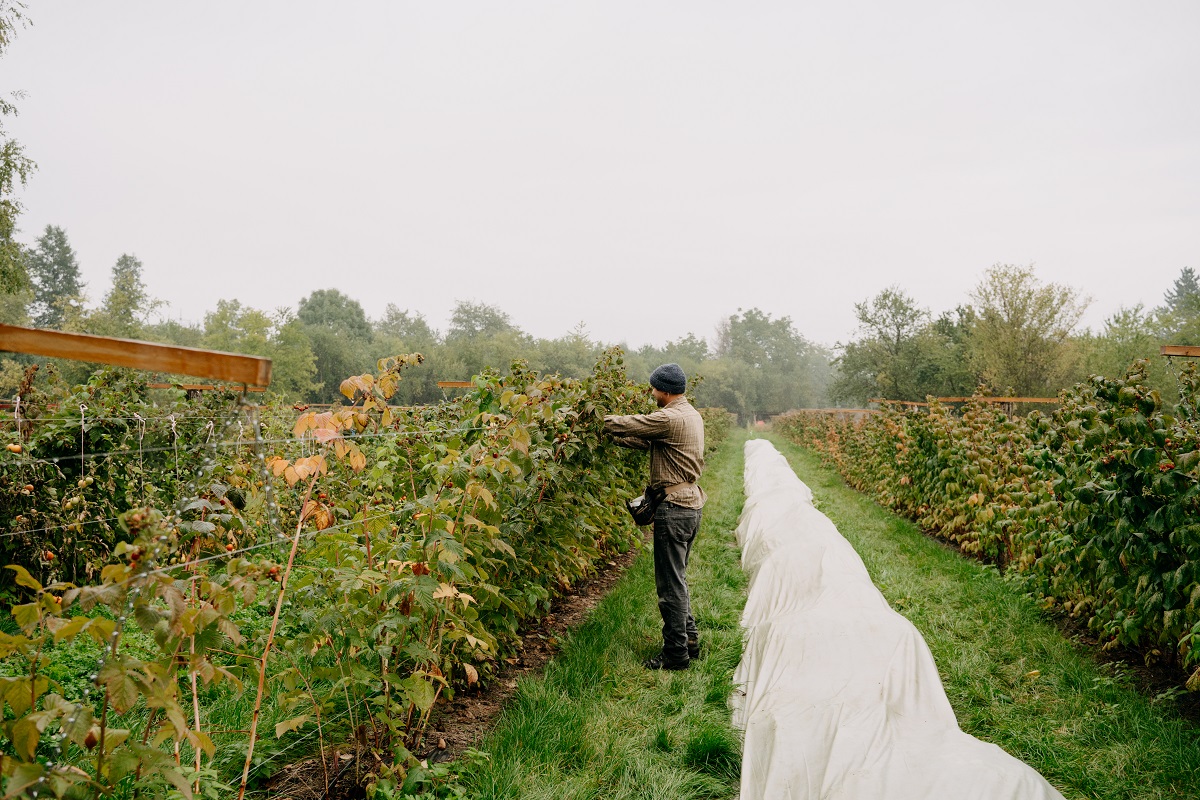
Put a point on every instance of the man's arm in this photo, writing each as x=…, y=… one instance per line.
x=638, y=426
x=631, y=442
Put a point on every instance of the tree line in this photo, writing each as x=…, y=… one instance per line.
x=756, y=365
x=1016, y=336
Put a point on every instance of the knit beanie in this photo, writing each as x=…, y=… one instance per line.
x=669, y=378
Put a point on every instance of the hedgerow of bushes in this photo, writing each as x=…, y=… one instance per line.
x=1096, y=506
x=364, y=562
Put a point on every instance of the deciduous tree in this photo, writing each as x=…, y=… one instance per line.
x=340, y=335
x=1020, y=341
x=15, y=166
x=887, y=360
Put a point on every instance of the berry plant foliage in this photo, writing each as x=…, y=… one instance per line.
x=196, y=584
x=1096, y=506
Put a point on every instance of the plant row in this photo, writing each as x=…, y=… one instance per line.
x=348, y=569
x=1095, y=506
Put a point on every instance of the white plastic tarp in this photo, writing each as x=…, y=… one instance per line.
x=840, y=697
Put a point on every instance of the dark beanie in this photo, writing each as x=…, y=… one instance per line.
x=669, y=378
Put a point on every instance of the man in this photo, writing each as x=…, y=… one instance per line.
x=674, y=435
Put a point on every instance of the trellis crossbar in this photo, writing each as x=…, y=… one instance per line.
x=149, y=356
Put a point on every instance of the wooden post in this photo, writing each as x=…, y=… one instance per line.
x=148, y=356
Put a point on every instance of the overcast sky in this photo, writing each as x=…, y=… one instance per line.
x=646, y=168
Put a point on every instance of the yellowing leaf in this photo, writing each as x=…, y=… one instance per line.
x=25, y=738
x=122, y=691
x=27, y=615
x=303, y=423
x=325, y=435
x=24, y=776
x=472, y=674
x=114, y=738
x=290, y=725
x=206, y=744
x=70, y=629
x=24, y=578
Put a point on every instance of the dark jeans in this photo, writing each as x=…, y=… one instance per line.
x=674, y=530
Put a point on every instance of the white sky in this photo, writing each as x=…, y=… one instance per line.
x=646, y=167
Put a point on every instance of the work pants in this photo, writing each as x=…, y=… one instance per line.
x=674, y=531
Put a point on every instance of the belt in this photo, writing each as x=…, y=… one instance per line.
x=678, y=487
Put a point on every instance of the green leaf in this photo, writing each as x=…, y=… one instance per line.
x=24, y=578
x=419, y=691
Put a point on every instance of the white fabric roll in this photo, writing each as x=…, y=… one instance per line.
x=839, y=695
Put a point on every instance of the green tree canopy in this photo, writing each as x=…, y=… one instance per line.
x=127, y=306
x=15, y=166
x=409, y=330
x=334, y=311
x=1178, y=319
x=340, y=337
x=887, y=358
x=473, y=320
x=54, y=273
x=1021, y=337
x=785, y=370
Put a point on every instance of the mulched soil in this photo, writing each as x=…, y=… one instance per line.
x=464, y=721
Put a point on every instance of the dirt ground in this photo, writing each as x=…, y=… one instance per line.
x=464, y=721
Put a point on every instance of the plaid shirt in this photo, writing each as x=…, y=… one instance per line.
x=674, y=435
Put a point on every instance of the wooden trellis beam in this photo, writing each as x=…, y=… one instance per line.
x=968, y=399
x=149, y=356
x=203, y=387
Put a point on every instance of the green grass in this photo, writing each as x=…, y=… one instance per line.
x=599, y=725
x=1011, y=675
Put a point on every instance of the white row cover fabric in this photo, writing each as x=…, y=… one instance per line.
x=840, y=697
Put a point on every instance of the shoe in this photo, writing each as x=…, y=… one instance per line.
x=693, y=648
x=660, y=662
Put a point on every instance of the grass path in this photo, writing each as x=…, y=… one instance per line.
x=1011, y=675
x=599, y=725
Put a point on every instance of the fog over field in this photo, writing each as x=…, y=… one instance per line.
x=648, y=168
